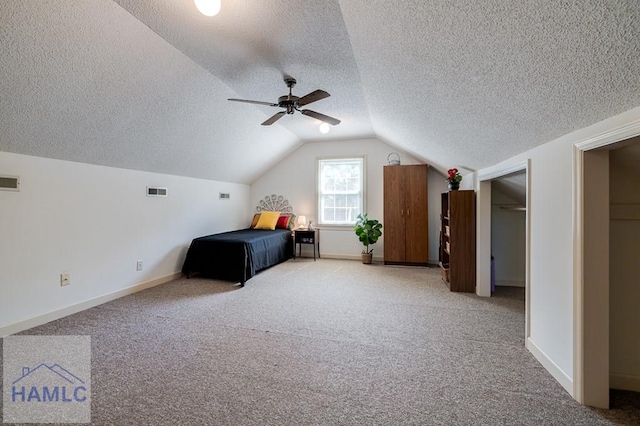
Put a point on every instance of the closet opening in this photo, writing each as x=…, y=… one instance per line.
x=607, y=259
x=503, y=232
x=508, y=235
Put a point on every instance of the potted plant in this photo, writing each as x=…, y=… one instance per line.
x=453, y=179
x=368, y=232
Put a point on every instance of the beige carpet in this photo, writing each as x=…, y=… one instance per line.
x=327, y=342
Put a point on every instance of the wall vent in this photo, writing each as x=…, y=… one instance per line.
x=156, y=192
x=225, y=196
x=9, y=183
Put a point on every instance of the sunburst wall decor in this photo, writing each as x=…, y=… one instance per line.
x=274, y=203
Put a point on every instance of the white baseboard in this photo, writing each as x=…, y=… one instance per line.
x=509, y=283
x=81, y=306
x=563, y=378
x=621, y=381
x=379, y=259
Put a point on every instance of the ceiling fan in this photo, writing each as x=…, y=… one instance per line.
x=292, y=104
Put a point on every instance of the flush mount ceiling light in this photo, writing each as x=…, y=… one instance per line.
x=208, y=7
x=324, y=128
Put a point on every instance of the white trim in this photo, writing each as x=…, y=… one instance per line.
x=578, y=302
x=553, y=368
x=628, y=382
x=527, y=259
x=617, y=134
x=483, y=234
x=503, y=170
x=341, y=228
x=81, y=306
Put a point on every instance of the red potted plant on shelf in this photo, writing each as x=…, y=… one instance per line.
x=453, y=179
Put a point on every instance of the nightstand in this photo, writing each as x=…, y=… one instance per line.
x=303, y=236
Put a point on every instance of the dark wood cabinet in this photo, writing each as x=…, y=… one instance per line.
x=406, y=223
x=458, y=240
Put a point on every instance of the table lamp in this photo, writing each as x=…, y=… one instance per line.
x=302, y=222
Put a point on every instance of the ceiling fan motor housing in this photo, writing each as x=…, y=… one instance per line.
x=289, y=102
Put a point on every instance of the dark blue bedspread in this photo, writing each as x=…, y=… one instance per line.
x=238, y=255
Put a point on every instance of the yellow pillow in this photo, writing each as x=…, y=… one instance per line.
x=268, y=220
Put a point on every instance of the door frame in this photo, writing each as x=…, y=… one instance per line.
x=586, y=363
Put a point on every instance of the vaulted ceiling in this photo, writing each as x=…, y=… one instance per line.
x=143, y=84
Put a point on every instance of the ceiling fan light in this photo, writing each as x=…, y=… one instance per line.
x=208, y=7
x=324, y=128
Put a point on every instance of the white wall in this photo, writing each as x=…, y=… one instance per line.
x=95, y=222
x=551, y=256
x=508, y=240
x=624, y=273
x=437, y=185
x=295, y=178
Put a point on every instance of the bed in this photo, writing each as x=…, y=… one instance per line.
x=239, y=255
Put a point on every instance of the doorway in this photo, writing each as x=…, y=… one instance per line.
x=518, y=174
x=600, y=296
x=508, y=232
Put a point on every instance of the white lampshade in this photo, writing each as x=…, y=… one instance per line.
x=302, y=221
x=208, y=7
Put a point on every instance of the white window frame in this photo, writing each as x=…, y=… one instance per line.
x=319, y=193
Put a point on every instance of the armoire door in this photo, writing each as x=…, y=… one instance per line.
x=393, y=229
x=416, y=215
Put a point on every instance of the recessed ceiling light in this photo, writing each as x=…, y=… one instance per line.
x=208, y=7
x=324, y=128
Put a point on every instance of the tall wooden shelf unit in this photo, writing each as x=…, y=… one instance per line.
x=458, y=240
x=406, y=219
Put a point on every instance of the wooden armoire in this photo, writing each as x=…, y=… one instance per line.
x=406, y=221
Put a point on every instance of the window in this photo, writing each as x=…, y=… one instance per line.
x=340, y=190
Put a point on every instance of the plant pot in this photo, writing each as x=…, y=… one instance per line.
x=454, y=186
x=367, y=258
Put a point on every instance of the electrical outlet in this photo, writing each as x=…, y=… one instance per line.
x=139, y=265
x=65, y=279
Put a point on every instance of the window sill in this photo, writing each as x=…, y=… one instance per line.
x=336, y=227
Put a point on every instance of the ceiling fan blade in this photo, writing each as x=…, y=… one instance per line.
x=321, y=117
x=253, y=102
x=274, y=118
x=312, y=97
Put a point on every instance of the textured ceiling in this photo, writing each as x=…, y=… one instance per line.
x=142, y=84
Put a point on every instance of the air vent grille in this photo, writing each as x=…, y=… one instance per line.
x=225, y=196
x=9, y=183
x=156, y=192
